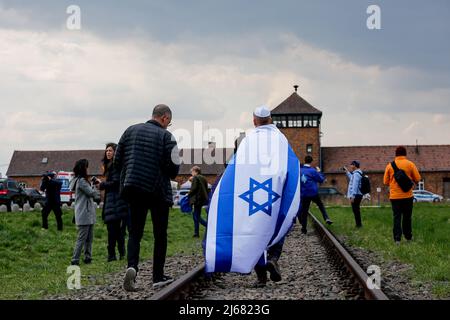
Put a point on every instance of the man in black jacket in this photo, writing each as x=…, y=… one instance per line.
x=147, y=158
x=52, y=188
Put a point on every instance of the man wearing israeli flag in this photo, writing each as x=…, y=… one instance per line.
x=255, y=201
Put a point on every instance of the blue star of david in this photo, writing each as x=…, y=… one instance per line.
x=254, y=207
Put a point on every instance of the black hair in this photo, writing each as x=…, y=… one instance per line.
x=107, y=163
x=400, y=151
x=80, y=168
x=308, y=159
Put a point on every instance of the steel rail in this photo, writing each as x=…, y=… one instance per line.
x=351, y=264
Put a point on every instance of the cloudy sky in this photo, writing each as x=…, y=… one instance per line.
x=215, y=61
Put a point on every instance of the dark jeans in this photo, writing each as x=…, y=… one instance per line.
x=356, y=207
x=196, y=215
x=139, y=206
x=116, y=234
x=305, y=205
x=273, y=253
x=402, y=209
x=58, y=214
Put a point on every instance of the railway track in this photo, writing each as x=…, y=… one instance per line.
x=328, y=271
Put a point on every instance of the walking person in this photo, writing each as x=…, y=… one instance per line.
x=115, y=209
x=401, y=175
x=85, y=213
x=147, y=157
x=309, y=180
x=198, y=197
x=354, y=194
x=254, y=203
x=52, y=188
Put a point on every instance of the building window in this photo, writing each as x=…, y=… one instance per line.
x=44, y=160
x=421, y=185
x=309, y=148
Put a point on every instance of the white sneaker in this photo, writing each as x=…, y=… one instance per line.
x=129, y=282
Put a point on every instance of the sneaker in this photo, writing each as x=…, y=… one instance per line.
x=274, y=270
x=74, y=263
x=87, y=261
x=162, y=282
x=304, y=231
x=129, y=282
x=196, y=236
x=112, y=258
x=328, y=221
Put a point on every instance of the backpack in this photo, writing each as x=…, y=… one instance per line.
x=184, y=205
x=365, y=184
x=402, y=178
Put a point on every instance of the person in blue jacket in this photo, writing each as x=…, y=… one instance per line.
x=309, y=180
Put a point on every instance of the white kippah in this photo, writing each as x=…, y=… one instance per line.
x=262, y=112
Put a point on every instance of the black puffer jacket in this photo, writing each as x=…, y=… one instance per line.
x=144, y=158
x=114, y=207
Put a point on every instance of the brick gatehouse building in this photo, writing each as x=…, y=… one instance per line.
x=301, y=123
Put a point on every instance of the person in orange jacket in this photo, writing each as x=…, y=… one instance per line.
x=401, y=195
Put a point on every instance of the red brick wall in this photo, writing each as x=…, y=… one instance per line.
x=299, y=138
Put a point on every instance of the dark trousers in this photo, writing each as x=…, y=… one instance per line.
x=58, y=214
x=306, y=204
x=273, y=253
x=356, y=207
x=159, y=209
x=196, y=215
x=402, y=209
x=116, y=235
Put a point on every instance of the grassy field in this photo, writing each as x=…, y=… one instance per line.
x=33, y=262
x=429, y=252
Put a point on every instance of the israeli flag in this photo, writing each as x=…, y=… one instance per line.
x=255, y=202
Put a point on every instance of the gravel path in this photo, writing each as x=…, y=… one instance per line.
x=176, y=266
x=307, y=271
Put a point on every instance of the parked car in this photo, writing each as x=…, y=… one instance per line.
x=11, y=192
x=426, y=196
x=34, y=196
x=180, y=194
x=328, y=191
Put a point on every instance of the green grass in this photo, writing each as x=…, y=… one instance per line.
x=429, y=253
x=33, y=262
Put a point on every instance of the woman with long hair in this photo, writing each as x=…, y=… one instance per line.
x=85, y=214
x=115, y=209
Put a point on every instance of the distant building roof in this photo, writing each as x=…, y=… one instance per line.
x=35, y=163
x=295, y=104
x=375, y=158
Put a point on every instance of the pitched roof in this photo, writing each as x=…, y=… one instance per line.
x=295, y=104
x=375, y=158
x=29, y=163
